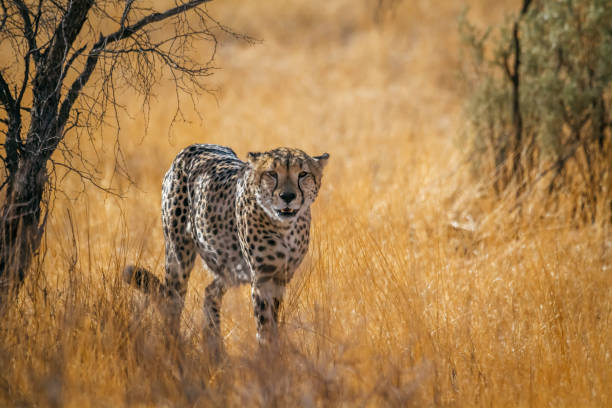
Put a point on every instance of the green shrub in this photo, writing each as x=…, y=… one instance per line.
x=544, y=120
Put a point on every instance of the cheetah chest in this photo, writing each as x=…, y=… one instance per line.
x=272, y=250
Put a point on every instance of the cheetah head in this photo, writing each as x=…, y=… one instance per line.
x=286, y=181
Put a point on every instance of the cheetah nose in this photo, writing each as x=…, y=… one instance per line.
x=287, y=196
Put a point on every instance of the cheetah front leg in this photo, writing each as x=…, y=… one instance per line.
x=267, y=297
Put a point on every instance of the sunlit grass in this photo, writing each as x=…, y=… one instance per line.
x=416, y=290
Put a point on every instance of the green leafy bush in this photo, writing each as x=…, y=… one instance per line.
x=540, y=102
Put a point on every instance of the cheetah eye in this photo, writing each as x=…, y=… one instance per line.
x=271, y=174
x=302, y=174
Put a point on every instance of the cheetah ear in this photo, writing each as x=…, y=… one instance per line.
x=322, y=160
x=252, y=157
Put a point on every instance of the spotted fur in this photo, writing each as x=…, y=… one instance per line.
x=248, y=221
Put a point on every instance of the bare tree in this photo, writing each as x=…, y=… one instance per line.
x=67, y=60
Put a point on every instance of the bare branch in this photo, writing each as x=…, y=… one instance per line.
x=26, y=77
x=86, y=177
x=4, y=183
x=38, y=16
x=104, y=41
x=13, y=136
x=71, y=60
x=525, y=7
x=126, y=11
x=30, y=35
x=67, y=30
x=145, y=21
x=6, y=98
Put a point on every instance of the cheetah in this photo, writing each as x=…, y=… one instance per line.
x=248, y=221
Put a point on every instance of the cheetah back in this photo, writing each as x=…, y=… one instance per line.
x=199, y=201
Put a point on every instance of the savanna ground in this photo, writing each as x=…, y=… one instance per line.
x=417, y=290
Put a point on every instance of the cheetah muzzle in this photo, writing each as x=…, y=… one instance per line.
x=286, y=212
x=248, y=221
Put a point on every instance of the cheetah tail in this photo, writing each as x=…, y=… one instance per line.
x=142, y=279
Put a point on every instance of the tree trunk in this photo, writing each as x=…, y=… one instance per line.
x=20, y=228
x=48, y=43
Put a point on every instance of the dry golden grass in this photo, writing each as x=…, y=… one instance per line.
x=416, y=291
